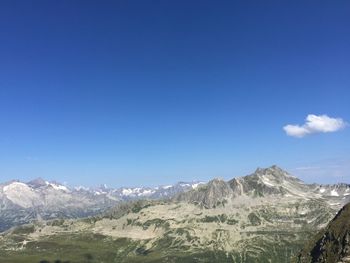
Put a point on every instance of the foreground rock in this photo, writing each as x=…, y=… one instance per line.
x=332, y=244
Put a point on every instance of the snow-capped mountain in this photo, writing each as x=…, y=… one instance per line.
x=166, y=191
x=39, y=199
x=266, y=216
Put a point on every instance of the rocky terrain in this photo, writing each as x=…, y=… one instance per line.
x=266, y=216
x=331, y=244
x=22, y=203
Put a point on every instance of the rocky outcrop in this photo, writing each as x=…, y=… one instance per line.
x=332, y=244
x=272, y=181
x=213, y=194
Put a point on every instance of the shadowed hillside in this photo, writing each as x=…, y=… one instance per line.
x=331, y=244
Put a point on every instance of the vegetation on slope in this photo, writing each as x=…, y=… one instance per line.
x=332, y=244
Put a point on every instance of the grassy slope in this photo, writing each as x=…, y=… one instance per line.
x=178, y=243
x=96, y=248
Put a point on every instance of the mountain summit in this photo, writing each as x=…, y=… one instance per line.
x=263, y=182
x=38, y=182
x=266, y=216
x=213, y=193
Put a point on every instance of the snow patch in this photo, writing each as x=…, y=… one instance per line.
x=15, y=186
x=267, y=181
x=137, y=192
x=78, y=188
x=59, y=187
x=334, y=193
x=146, y=193
x=127, y=191
x=194, y=186
x=21, y=194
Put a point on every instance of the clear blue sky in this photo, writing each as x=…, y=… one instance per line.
x=154, y=92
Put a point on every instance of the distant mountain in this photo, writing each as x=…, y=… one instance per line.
x=332, y=244
x=39, y=199
x=272, y=181
x=266, y=216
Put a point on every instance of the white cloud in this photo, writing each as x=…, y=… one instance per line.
x=315, y=124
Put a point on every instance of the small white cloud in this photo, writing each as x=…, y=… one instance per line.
x=315, y=124
x=295, y=130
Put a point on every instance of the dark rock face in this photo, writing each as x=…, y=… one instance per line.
x=331, y=244
x=38, y=182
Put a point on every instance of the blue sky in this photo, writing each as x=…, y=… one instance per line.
x=154, y=92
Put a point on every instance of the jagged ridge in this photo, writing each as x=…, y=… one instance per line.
x=264, y=182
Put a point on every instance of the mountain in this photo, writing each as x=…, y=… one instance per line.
x=39, y=199
x=272, y=181
x=266, y=216
x=332, y=244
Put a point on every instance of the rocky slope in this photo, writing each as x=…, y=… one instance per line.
x=269, y=182
x=39, y=199
x=263, y=217
x=332, y=244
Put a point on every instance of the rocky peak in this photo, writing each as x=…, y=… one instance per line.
x=263, y=182
x=218, y=187
x=38, y=182
x=210, y=195
x=273, y=168
x=216, y=182
x=266, y=181
x=275, y=172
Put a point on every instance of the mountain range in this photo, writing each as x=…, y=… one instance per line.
x=267, y=216
x=38, y=199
